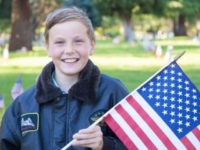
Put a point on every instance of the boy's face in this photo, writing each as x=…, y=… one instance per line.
x=70, y=47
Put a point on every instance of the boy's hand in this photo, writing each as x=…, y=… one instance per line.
x=91, y=137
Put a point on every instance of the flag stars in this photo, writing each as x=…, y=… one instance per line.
x=180, y=93
x=158, y=90
x=172, y=72
x=172, y=92
x=157, y=104
x=180, y=122
x=165, y=84
x=180, y=115
x=151, y=83
x=151, y=90
x=194, y=118
x=194, y=90
x=165, y=98
x=187, y=109
x=165, y=71
x=164, y=112
x=165, y=78
x=165, y=91
x=180, y=130
x=143, y=89
x=180, y=100
x=157, y=97
x=172, y=85
x=172, y=99
x=187, y=88
x=172, y=121
x=172, y=78
x=158, y=77
x=179, y=107
x=179, y=80
x=172, y=65
x=194, y=104
x=186, y=82
x=180, y=86
x=187, y=95
x=187, y=116
x=194, y=111
x=187, y=102
x=194, y=97
x=158, y=84
x=180, y=74
x=172, y=106
x=165, y=105
x=187, y=124
x=172, y=113
x=150, y=96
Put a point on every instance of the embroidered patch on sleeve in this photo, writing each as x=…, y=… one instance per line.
x=96, y=115
x=29, y=122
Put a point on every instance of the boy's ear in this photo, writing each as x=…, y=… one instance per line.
x=93, y=43
x=47, y=49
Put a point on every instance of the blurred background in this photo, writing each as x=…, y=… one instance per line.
x=22, y=21
x=134, y=39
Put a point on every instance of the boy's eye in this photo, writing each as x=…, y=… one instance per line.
x=59, y=42
x=78, y=41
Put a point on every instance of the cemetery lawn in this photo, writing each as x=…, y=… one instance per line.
x=131, y=64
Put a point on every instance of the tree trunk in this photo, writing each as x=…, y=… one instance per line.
x=179, y=27
x=21, y=32
x=128, y=31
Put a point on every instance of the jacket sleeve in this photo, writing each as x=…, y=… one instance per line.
x=9, y=131
x=112, y=143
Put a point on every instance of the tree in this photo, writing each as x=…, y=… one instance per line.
x=5, y=9
x=27, y=15
x=182, y=11
x=88, y=7
x=40, y=9
x=21, y=31
x=124, y=10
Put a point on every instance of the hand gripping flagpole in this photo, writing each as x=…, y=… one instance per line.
x=103, y=116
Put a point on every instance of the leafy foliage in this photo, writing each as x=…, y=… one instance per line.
x=88, y=7
x=5, y=9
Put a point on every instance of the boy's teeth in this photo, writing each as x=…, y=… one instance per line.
x=70, y=60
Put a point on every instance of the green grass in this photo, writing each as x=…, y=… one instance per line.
x=131, y=64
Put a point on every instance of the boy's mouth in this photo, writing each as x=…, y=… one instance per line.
x=70, y=60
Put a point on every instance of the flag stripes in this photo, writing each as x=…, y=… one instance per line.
x=187, y=143
x=151, y=128
x=193, y=139
x=126, y=134
x=140, y=124
x=162, y=130
x=127, y=113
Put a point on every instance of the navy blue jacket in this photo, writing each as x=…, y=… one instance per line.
x=45, y=118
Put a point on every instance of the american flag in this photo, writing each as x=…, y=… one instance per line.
x=17, y=88
x=1, y=101
x=163, y=113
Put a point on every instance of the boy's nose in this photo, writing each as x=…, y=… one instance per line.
x=68, y=49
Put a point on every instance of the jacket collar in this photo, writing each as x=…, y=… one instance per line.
x=84, y=90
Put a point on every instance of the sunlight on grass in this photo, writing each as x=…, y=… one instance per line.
x=132, y=65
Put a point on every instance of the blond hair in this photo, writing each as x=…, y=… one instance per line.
x=68, y=14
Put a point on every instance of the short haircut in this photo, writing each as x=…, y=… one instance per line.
x=68, y=14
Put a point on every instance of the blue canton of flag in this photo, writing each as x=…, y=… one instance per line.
x=175, y=99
